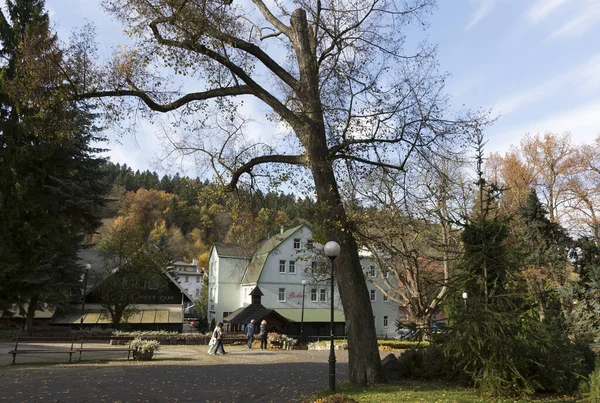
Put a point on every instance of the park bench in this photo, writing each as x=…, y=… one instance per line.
x=47, y=345
x=104, y=339
x=39, y=345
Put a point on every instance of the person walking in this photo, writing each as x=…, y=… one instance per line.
x=218, y=335
x=263, y=335
x=250, y=333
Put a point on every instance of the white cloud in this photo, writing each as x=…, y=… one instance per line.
x=588, y=74
x=583, y=122
x=543, y=8
x=484, y=7
x=586, y=19
x=584, y=77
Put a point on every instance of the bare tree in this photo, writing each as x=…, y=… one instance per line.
x=334, y=76
x=410, y=234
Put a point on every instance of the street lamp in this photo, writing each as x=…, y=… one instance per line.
x=88, y=266
x=465, y=296
x=332, y=250
x=302, y=317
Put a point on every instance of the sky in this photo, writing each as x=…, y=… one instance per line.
x=535, y=64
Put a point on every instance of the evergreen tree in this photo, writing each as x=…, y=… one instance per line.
x=585, y=319
x=50, y=187
x=497, y=341
x=544, y=248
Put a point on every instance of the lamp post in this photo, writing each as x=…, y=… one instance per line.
x=332, y=250
x=302, y=317
x=88, y=266
x=465, y=296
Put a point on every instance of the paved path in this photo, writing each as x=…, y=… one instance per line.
x=175, y=374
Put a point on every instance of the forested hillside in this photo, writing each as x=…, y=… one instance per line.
x=188, y=215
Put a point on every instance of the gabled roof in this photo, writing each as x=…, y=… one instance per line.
x=230, y=250
x=243, y=316
x=260, y=257
x=98, y=265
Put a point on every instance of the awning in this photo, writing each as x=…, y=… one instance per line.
x=144, y=314
x=311, y=315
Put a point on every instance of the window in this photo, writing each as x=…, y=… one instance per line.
x=281, y=294
x=310, y=243
x=292, y=267
x=313, y=266
x=313, y=295
x=187, y=279
x=372, y=295
x=385, y=321
x=197, y=280
x=197, y=292
x=323, y=295
x=385, y=298
x=372, y=271
x=296, y=243
x=282, y=266
x=151, y=284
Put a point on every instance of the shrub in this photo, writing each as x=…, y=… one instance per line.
x=402, y=344
x=93, y=331
x=144, y=346
x=506, y=350
x=590, y=388
x=424, y=363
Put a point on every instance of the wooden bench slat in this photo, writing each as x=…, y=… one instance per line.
x=28, y=341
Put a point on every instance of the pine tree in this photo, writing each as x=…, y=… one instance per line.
x=50, y=187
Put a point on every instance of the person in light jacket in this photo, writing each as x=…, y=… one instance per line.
x=218, y=335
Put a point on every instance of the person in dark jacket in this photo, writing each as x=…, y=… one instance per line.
x=250, y=333
x=263, y=335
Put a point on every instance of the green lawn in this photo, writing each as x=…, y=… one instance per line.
x=428, y=392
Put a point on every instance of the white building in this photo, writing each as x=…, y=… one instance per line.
x=189, y=277
x=278, y=268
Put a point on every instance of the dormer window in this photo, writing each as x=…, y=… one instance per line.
x=371, y=271
x=297, y=243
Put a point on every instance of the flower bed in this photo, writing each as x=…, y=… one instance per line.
x=282, y=341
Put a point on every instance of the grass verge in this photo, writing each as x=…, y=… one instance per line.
x=428, y=392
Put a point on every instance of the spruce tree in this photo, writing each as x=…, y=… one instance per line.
x=544, y=247
x=50, y=187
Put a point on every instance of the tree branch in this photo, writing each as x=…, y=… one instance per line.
x=271, y=18
x=155, y=106
x=247, y=167
x=257, y=89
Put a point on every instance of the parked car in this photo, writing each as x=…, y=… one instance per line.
x=406, y=334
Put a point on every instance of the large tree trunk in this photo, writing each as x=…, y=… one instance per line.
x=363, y=354
x=31, y=308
